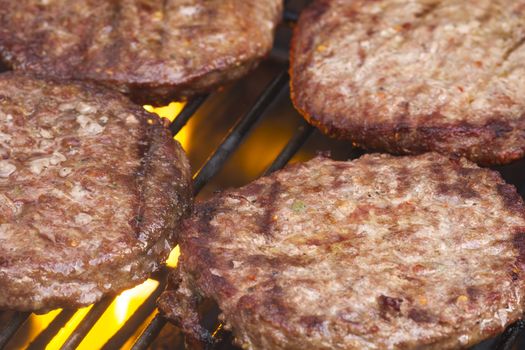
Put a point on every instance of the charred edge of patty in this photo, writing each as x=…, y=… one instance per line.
x=196, y=257
x=203, y=83
x=403, y=140
x=207, y=80
x=188, y=289
x=179, y=304
x=152, y=93
x=414, y=140
x=164, y=184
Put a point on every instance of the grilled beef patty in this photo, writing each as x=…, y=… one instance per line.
x=418, y=252
x=413, y=76
x=92, y=189
x=154, y=51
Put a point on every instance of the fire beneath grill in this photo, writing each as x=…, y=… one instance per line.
x=110, y=322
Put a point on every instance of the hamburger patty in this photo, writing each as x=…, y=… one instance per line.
x=383, y=252
x=413, y=76
x=154, y=51
x=92, y=190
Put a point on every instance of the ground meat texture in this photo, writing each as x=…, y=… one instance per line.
x=155, y=51
x=417, y=252
x=414, y=76
x=92, y=191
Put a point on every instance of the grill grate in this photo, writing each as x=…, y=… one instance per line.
x=239, y=132
x=15, y=321
x=208, y=171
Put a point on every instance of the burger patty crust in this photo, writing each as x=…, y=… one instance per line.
x=417, y=252
x=413, y=76
x=92, y=191
x=155, y=51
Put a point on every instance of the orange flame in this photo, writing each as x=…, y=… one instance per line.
x=171, y=111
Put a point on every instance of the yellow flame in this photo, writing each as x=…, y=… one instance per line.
x=66, y=331
x=171, y=111
x=173, y=259
x=217, y=330
x=122, y=305
x=36, y=324
x=127, y=299
x=118, y=312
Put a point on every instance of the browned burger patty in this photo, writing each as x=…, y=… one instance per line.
x=413, y=76
x=92, y=189
x=153, y=50
x=419, y=252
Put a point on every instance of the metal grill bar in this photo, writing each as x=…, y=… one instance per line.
x=296, y=142
x=51, y=330
x=138, y=317
x=12, y=326
x=239, y=132
x=150, y=333
x=87, y=323
x=187, y=112
x=507, y=340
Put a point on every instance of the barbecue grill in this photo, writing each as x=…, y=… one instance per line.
x=267, y=136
